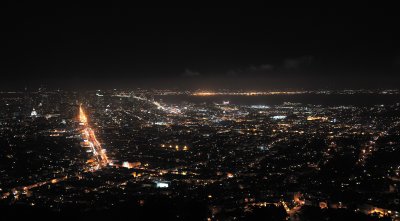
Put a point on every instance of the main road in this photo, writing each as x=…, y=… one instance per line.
x=90, y=140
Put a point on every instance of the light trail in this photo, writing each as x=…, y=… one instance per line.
x=99, y=153
x=82, y=116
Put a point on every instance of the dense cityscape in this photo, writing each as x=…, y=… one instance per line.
x=201, y=154
x=199, y=113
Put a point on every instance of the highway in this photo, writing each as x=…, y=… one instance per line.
x=158, y=105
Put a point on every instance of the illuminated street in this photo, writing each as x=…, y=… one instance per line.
x=90, y=140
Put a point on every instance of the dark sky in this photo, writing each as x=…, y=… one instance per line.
x=199, y=47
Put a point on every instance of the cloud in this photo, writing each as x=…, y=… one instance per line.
x=190, y=73
x=295, y=63
x=262, y=67
x=267, y=69
x=233, y=73
x=252, y=69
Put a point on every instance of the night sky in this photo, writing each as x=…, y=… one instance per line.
x=199, y=48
